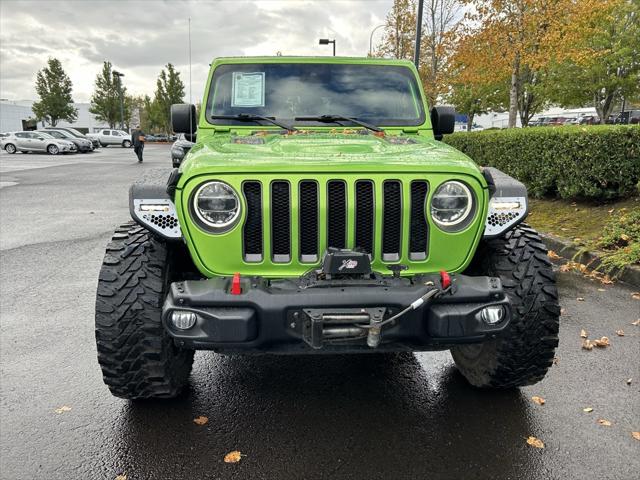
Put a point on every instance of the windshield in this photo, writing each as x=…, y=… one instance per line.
x=383, y=95
x=76, y=133
x=59, y=134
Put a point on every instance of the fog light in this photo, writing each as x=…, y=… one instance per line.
x=492, y=315
x=183, y=320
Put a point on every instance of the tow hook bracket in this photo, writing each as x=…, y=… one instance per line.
x=340, y=325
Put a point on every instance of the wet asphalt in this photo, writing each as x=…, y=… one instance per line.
x=330, y=417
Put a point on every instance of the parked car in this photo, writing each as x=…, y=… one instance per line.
x=76, y=134
x=83, y=145
x=274, y=243
x=179, y=149
x=149, y=137
x=162, y=137
x=588, y=120
x=108, y=137
x=36, y=142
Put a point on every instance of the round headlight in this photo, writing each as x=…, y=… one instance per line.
x=451, y=204
x=216, y=205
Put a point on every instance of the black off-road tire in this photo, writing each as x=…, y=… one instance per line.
x=138, y=358
x=523, y=353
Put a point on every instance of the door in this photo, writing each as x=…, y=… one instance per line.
x=22, y=140
x=37, y=142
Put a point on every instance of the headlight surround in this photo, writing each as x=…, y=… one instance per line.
x=452, y=205
x=216, y=206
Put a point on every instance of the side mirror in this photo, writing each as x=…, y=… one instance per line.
x=443, y=121
x=183, y=118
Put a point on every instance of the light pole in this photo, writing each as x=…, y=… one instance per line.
x=326, y=41
x=117, y=75
x=371, y=38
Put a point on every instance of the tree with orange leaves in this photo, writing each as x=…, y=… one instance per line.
x=520, y=39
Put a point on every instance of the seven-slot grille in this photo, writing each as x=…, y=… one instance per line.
x=375, y=206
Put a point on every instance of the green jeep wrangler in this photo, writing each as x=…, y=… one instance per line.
x=319, y=212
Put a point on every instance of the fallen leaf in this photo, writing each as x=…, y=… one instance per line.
x=538, y=400
x=603, y=422
x=624, y=237
x=587, y=344
x=233, y=457
x=63, y=409
x=580, y=299
x=629, y=381
x=602, y=342
x=553, y=255
x=620, y=333
x=636, y=323
x=587, y=410
x=610, y=211
x=636, y=435
x=200, y=420
x=635, y=296
x=563, y=310
x=121, y=477
x=535, y=442
x=584, y=334
x=602, y=290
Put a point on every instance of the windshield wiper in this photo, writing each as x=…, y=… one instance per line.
x=337, y=119
x=250, y=117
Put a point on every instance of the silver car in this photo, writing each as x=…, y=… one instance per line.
x=36, y=142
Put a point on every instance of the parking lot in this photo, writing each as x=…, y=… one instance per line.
x=364, y=417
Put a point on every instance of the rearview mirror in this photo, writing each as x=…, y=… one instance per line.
x=183, y=118
x=443, y=121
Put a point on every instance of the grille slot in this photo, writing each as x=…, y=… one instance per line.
x=337, y=214
x=419, y=230
x=252, y=230
x=308, y=208
x=280, y=222
x=391, y=220
x=365, y=216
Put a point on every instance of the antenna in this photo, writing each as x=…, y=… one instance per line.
x=190, y=101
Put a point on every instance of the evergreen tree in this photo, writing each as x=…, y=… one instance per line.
x=105, y=101
x=169, y=90
x=54, y=87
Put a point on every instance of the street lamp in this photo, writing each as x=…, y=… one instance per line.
x=371, y=38
x=326, y=41
x=117, y=75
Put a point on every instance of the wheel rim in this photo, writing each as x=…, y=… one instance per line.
x=127, y=144
x=53, y=150
x=10, y=148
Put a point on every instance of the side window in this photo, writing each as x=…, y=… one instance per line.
x=33, y=135
x=106, y=132
x=21, y=135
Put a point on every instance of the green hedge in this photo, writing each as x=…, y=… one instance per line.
x=569, y=162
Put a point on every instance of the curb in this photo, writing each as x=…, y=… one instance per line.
x=571, y=252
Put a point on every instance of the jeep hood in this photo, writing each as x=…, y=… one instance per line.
x=323, y=152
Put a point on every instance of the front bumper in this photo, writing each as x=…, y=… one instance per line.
x=294, y=316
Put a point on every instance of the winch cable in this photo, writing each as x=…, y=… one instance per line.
x=424, y=299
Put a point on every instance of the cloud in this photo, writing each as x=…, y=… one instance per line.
x=140, y=37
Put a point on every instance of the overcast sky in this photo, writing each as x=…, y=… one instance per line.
x=140, y=37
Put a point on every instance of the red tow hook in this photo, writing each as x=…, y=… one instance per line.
x=445, y=279
x=235, y=284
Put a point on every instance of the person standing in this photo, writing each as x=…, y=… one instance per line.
x=137, y=138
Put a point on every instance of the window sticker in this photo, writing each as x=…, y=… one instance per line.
x=247, y=89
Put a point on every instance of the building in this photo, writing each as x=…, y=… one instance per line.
x=13, y=113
